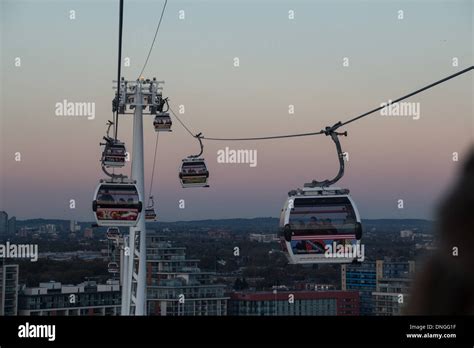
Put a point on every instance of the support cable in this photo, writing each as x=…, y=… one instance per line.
x=119, y=66
x=153, y=169
x=335, y=126
x=154, y=38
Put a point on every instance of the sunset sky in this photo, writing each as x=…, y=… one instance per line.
x=282, y=62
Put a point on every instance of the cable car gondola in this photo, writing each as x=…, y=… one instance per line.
x=313, y=220
x=193, y=173
x=320, y=220
x=115, y=153
x=117, y=204
x=113, y=233
x=150, y=214
x=113, y=267
x=162, y=122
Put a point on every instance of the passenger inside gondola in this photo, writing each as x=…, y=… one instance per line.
x=116, y=202
x=313, y=222
x=194, y=171
x=307, y=247
x=105, y=197
x=322, y=220
x=198, y=169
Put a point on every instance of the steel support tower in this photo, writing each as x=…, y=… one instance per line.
x=137, y=98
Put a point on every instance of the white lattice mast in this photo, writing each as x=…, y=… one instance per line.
x=125, y=275
x=142, y=97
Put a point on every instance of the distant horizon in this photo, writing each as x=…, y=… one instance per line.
x=218, y=219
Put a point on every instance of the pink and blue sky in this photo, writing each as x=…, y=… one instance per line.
x=282, y=62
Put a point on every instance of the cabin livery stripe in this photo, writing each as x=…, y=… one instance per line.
x=324, y=237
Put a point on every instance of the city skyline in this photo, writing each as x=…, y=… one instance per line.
x=391, y=158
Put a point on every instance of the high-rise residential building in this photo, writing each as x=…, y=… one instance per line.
x=365, y=277
x=362, y=278
x=397, y=269
x=11, y=226
x=391, y=295
x=297, y=303
x=177, y=286
x=53, y=298
x=3, y=223
x=8, y=289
